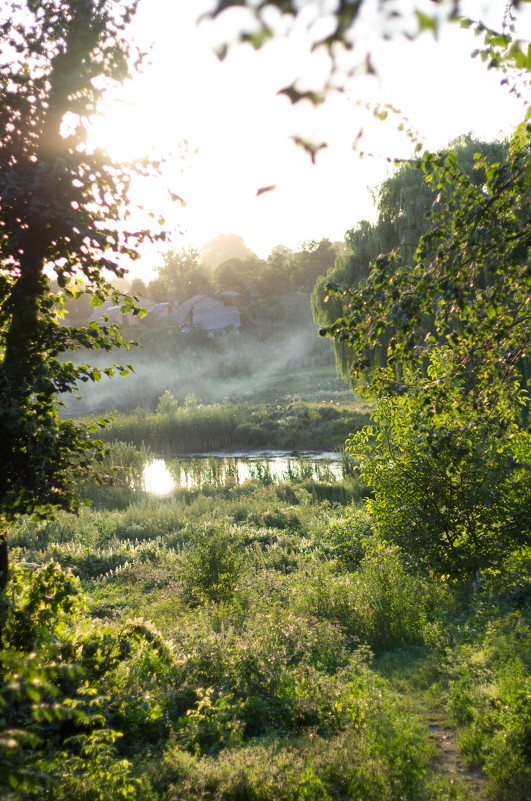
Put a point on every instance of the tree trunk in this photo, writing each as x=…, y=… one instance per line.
x=4, y=561
x=4, y=565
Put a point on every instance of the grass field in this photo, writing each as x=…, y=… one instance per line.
x=258, y=641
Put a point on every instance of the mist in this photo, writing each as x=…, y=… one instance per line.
x=237, y=368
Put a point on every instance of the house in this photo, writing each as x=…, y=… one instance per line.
x=158, y=311
x=209, y=313
x=201, y=310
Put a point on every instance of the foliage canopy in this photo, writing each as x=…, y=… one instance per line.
x=63, y=215
x=440, y=342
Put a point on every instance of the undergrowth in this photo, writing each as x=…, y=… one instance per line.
x=254, y=641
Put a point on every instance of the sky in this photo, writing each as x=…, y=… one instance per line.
x=225, y=132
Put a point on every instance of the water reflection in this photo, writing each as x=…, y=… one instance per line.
x=157, y=478
x=162, y=476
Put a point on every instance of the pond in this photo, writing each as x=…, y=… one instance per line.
x=162, y=476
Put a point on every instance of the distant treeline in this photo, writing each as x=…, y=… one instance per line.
x=232, y=272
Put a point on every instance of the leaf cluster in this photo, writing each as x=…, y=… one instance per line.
x=467, y=289
x=63, y=214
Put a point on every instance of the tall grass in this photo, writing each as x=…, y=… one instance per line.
x=197, y=428
x=183, y=430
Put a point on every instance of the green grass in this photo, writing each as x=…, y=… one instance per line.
x=192, y=428
x=259, y=641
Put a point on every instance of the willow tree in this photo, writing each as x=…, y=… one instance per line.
x=404, y=202
x=63, y=216
x=450, y=458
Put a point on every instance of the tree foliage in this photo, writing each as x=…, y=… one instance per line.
x=466, y=287
x=63, y=215
x=452, y=329
x=456, y=496
x=223, y=247
x=404, y=202
x=181, y=276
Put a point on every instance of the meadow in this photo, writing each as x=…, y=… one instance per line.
x=257, y=641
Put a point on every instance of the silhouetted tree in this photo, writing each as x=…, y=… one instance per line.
x=181, y=276
x=223, y=247
x=62, y=214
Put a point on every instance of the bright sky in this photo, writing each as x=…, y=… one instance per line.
x=226, y=132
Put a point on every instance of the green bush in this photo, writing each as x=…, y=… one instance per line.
x=346, y=536
x=40, y=598
x=379, y=753
x=59, y=704
x=390, y=601
x=490, y=699
x=381, y=604
x=457, y=498
x=212, y=565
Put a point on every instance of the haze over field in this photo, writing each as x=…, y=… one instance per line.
x=250, y=371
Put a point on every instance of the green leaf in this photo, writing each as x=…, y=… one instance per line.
x=426, y=22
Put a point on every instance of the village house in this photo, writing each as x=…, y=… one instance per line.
x=209, y=313
x=201, y=310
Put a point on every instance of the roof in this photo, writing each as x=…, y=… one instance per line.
x=198, y=303
x=216, y=320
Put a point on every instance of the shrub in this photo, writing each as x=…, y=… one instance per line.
x=167, y=403
x=381, y=604
x=346, y=535
x=490, y=698
x=457, y=498
x=380, y=754
x=212, y=566
x=40, y=598
x=390, y=601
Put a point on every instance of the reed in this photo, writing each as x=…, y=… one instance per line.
x=194, y=428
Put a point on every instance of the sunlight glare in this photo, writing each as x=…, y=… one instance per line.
x=157, y=478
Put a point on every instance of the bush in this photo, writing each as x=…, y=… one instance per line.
x=379, y=754
x=212, y=566
x=167, y=403
x=490, y=699
x=456, y=498
x=390, y=601
x=381, y=605
x=346, y=536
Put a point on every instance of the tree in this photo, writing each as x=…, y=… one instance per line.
x=223, y=247
x=181, y=276
x=238, y=275
x=456, y=496
x=452, y=325
x=404, y=204
x=137, y=287
x=465, y=288
x=314, y=259
x=63, y=215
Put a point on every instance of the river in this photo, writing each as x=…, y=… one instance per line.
x=162, y=475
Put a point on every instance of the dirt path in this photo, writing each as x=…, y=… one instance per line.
x=449, y=762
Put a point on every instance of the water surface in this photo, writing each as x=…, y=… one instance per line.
x=162, y=476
